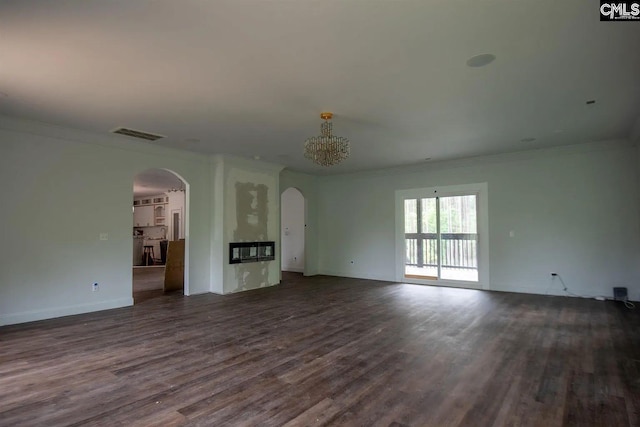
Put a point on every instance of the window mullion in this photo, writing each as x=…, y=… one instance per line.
x=419, y=229
x=438, y=239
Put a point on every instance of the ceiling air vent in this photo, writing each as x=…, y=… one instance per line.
x=138, y=134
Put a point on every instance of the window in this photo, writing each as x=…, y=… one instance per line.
x=439, y=233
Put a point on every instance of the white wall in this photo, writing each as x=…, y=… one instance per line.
x=292, y=230
x=219, y=254
x=251, y=214
x=574, y=211
x=67, y=187
x=70, y=186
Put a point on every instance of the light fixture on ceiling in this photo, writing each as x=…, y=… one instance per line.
x=177, y=190
x=481, y=60
x=326, y=149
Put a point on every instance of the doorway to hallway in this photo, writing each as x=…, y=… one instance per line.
x=292, y=230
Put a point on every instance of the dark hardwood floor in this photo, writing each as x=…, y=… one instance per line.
x=148, y=283
x=329, y=351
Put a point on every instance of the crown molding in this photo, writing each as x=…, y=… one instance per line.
x=539, y=153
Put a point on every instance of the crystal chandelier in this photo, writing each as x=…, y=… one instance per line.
x=326, y=149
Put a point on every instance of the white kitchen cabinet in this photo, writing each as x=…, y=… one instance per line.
x=143, y=216
x=159, y=212
x=150, y=211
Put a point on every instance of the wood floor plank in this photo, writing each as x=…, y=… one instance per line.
x=328, y=351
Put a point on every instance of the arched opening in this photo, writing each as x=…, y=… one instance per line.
x=292, y=230
x=160, y=233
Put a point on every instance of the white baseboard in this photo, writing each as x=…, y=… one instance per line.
x=50, y=313
x=355, y=275
x=555, y=291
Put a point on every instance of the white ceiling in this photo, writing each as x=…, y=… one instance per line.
x=250, y=77
x=154, y=182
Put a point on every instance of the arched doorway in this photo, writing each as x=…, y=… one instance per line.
x=160, y=233
x=292, y=229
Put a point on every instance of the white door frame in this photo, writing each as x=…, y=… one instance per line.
x=185, y=216
x=304, y=236
x=482, y=209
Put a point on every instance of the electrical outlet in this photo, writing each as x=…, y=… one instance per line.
x=104, y=236
x=95, y=287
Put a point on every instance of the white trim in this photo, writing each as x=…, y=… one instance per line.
x=355, y=275
x=187, y=240
x=445, y=283
x=30, y=316
x=305, y=269
x=475, y=161
x=481, y=190
x=186, y=214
